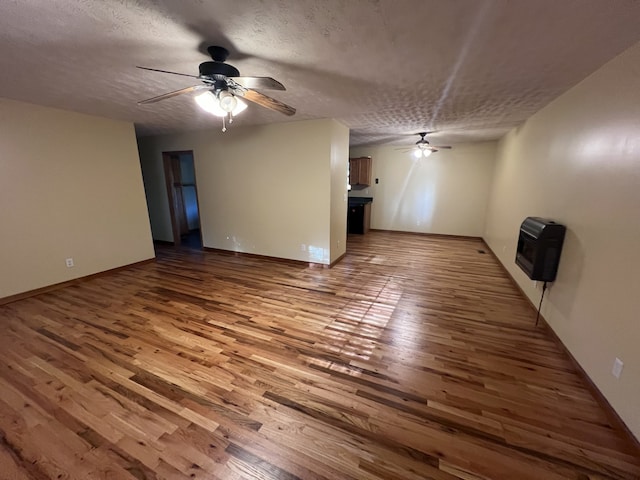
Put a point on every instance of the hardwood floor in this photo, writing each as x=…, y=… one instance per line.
x=413, y=358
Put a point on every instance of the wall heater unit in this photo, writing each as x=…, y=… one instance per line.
x=539, y=247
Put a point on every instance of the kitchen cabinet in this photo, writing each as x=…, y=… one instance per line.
x=360, y=172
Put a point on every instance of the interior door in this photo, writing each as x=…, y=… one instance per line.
x=177, y=210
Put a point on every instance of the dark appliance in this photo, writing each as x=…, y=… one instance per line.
x=359, y=215
x=539, y=247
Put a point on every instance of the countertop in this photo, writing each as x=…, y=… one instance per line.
x=356, y=201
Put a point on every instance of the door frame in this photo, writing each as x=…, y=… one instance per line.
x=170, y=181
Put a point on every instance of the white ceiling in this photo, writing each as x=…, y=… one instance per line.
x=469, y=69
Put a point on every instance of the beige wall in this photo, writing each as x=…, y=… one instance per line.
x=446, y=193
x=155, y=190
x=70, y=186
x=339, y=171
x=264, y=190
x=577, y=161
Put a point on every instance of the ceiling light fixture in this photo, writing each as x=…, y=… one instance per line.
x=422, y=151
x=221, y=104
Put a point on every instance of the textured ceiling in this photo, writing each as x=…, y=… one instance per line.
x=468, y=69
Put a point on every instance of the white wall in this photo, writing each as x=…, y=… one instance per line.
x=264, y=190
x=70, y=186
x=339, y=171
x=446, y=193
x=577, y=161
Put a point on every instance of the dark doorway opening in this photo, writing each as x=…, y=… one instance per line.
x=182, y=192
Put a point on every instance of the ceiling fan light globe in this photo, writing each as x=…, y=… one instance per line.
x=241, y=106
x=209, y=103
x=213, y=104
x=227, y=101
x=417, y=153
x=426, y=152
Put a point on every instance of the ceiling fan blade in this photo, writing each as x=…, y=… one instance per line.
x=266, y=83
x=268, y=102
x=443, y=146
x=166, y=71
x=175, y=93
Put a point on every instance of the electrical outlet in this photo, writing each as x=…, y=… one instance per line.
x=69, y=262
x=303, y=247
x=616, y=371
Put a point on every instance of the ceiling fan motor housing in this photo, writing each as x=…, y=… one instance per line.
x=211, y=69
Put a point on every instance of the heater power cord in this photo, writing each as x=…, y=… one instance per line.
x=544, y=289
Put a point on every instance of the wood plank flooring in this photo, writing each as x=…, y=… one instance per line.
x=413, y=358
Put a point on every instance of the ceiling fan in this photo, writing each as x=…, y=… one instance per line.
x=223, y=88
x=423, y=148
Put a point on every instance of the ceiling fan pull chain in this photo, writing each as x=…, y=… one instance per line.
x=230, y=118
x=224, y=127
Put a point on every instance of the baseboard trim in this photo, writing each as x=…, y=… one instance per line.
x=425, y=234
x=513, y=281
x=332, y=264
x=75, y=281
x=615, y=420
x=290, y=261
x=163, y=242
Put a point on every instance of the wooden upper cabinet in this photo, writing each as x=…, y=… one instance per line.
x=354, y=171
x=360, y=172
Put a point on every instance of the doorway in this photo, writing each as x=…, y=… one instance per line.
x=182, y=192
